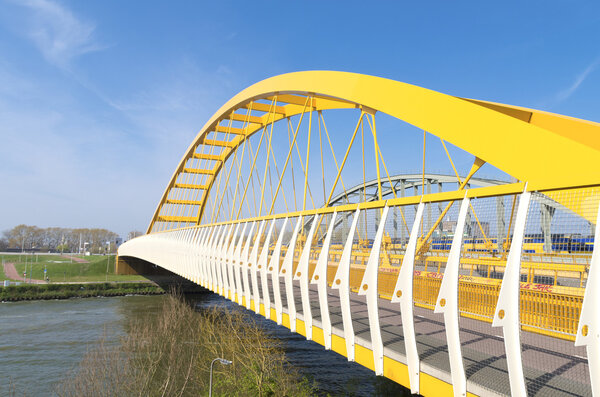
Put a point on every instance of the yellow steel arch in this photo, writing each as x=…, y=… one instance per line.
x=544, y=149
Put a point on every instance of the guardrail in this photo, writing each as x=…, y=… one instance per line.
x=237, y=259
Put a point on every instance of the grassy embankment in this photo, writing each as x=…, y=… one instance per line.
x=65, y=291
x=62, y=269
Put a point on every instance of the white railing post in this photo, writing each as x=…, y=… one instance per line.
x=253, y=264
x=342, y=282
x=403, y=294
x=229, y=257
x=286, y=272
x=223, y=261
x=237, y=259
x=244, y=264
x=262, y=268
x=370, y=288
x=274, y=271
x=507, y=309
x=588, y=330
x=320, y=279
x=447, y=303
x=302, y=276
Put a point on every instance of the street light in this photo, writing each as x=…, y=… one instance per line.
x=107, y=258
x=222, y=361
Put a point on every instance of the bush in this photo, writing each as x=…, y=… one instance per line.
x=169, y=354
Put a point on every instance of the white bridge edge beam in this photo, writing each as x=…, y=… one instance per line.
x=370, y=288
x=589, y=316
x=403, y=294
x=342, y=283
x=320, y=279
x=506, y=314
x=447, y=304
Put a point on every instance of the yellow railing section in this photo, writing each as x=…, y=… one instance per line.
x=549, y=310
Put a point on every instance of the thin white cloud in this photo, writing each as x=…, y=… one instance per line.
x=579, y=79
x=58, y=34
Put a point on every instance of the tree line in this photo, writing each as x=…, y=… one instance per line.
x=58, y=239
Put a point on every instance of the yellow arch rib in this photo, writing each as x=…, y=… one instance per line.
x=544, y=149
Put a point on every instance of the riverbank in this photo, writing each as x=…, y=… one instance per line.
x=80, y=290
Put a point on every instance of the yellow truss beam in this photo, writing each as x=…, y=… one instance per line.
x=190, y=186
x=198, y=171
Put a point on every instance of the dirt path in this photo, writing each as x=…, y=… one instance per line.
x=75, y=259
x=11, y=272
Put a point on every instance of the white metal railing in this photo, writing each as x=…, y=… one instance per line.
x=226, y=258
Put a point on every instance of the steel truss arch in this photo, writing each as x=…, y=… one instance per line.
x=525, y=143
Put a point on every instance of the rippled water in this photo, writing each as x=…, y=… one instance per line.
x=42, y=340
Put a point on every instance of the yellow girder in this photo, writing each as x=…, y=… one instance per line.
x=199, y=171
x=544, y=149
x=203, y=156
x=177, y=218
x=191, y=186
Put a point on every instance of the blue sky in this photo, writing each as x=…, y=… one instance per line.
x=98, y=100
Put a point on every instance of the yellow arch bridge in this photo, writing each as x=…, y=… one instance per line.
x=356, y=211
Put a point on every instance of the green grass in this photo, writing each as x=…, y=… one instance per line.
x=63, y=270
x=62, y=291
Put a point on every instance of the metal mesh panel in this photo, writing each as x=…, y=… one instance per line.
x=486, y=242
x=555, y=260
x=437, y=227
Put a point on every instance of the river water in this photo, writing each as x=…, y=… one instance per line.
x=40, y=341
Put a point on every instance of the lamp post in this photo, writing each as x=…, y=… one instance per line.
x=107, y=258
x=222, y=361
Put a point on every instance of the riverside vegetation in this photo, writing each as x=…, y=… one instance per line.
x=65, y=291
x=168, y=353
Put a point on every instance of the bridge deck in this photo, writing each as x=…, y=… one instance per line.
x=552, y=366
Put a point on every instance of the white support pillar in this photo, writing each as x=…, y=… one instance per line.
x=286, y=272
x=320, y=279
x=403, y=294
x=262, y=268
x=447, y=304
x=370, y=288
x=507, y=309
x=302, y=276
x=342, y=282
x=274, y=271
x=588, y=330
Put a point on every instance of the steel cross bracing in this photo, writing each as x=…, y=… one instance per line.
x=486, y=290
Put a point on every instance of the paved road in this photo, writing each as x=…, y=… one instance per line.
x=11, y=272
